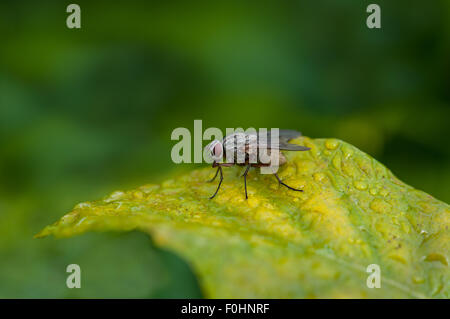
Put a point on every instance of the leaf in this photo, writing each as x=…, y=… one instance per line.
x=284, y=244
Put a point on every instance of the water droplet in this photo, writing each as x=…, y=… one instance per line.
x=138, y=194
x=418, y=279
x=148, y=188
x=318, y=177
x=380, y=206
x=83, y=205
x=331, y=144
x=347, y=151
x=437, y=257
x=115, y=196
x=360, y=185
x=337, y=161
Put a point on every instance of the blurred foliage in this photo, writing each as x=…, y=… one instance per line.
x=353, y=212
x=84, y=112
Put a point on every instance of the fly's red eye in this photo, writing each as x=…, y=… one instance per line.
x=217, y=150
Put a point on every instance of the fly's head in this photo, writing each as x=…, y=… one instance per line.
x=215, y=150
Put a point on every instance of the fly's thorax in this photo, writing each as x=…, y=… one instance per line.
x=239, y=147
x=243, y=148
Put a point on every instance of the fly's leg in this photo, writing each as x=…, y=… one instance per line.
x=212, y=179
x=292, y=188
x=245, y=180
x=220, y=183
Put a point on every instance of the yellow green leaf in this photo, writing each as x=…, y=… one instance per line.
x=284, y=244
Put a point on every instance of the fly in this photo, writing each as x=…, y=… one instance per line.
x=247, y=150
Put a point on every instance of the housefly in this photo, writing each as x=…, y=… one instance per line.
x=247, y=149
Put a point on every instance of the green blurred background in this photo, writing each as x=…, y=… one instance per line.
x=85, y=112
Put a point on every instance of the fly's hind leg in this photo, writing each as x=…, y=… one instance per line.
x=291, y=188
x=245, y=180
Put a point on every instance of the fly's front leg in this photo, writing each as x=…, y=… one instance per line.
x=220, y=183
x=217, y=172
x=292, y=188
x=245, y=179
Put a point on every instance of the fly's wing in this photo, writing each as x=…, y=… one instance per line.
x=283, y=138
x=286, y=136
